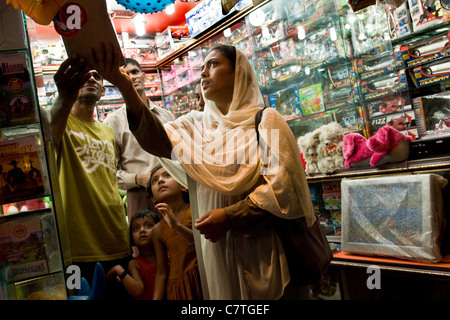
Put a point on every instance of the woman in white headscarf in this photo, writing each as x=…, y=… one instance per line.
x=235, y=193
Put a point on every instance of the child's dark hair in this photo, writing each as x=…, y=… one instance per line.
x=149, y=185
x=156, y=217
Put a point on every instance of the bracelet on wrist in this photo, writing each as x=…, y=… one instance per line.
x=123, y=274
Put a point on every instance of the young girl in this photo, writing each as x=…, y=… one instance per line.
x=173, y=236
x=142, y=280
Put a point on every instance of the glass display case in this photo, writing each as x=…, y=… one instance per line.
x=31, y=261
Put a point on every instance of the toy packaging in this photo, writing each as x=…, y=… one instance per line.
x=311, y=99
x=171, y=39
x=351, y=118
x=404, y=218
x=425, y=13
x=401, y=121
x=399, y=20
x=433, y=118
x=388, y=105
x=286, y=102
x=426, y=50
x=431, y=73
x=21, y=171
x=24, y=247
x=17, y=100
x=378, y=66
x=388, y=84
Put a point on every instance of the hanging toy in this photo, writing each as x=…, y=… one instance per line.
x=142, y=6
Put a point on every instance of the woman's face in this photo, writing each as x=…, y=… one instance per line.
x=217, y=78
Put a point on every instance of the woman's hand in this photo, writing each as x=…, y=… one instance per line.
x=213, y=225
x=107, y=61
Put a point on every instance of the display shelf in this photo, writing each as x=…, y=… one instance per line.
x=30, y=242
x=352, y=260
x=409, y=166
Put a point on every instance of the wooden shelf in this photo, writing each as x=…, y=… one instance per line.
x=406, y=167
x=343, y=259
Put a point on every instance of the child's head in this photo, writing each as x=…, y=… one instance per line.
x=162, y=186
x=142, y=220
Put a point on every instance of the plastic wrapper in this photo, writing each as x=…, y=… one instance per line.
x=400, y=216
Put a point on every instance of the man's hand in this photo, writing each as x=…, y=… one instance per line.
x=70, y=77
x=213, y=225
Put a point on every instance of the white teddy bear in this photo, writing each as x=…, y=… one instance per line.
x=308, y=145
x=329, y=150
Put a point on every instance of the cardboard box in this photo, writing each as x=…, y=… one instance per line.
x=426, y=51
x=388, y=105
x=433, y=116
x=97, y=27
x=24, y=247
x=431, y=73
x=421, y=17
x=400, y=216
x=17, y=96
x=388, y=84
x=378, y=66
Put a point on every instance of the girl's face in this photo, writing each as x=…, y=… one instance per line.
x=164, y=186
x=141, y=231
x=217, y=77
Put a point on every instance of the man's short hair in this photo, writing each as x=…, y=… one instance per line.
x=133, y=62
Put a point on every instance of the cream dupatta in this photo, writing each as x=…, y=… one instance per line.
x=221, y=158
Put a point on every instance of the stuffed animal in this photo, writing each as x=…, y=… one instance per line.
x=308, y=146
x=329, y=150
x=356, y=150
x=389, y=145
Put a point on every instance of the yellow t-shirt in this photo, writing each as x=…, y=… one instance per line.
x=93, y=209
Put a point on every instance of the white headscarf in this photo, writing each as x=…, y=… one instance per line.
x=217, y=179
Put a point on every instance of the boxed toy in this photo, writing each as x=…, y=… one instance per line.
x=425, y=13
x=390, y=104
x=402, y=121
x=23, y=245
x=399, y=20
x=295, y=12
x=171, y=39
x=17, y=97
x=433, y=118
x=286, y=102
x=426, y=50
x=21, y=171
x=339, y=97
x=378, y=66
x=399, y=216
x=431, y=73
x=269, y=34
x=385, y=85
x=311, y=99
x=324, y=45
x=351, y=119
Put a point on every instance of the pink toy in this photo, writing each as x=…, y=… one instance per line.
x=389, y=145
x=356, y=150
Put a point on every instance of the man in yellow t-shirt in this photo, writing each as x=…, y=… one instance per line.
x=94, y=214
